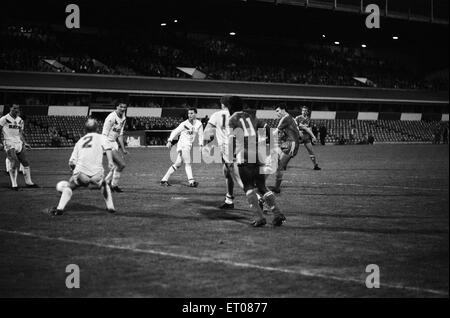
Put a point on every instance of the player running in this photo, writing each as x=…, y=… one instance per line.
x=113, y=131
x=188, y=131
x=289, y=143
x=12, y=127
x=86, y=163
x=307, y=137
x=218, y=126
x=244, y=128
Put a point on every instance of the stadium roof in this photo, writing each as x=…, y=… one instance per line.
x=434, y=11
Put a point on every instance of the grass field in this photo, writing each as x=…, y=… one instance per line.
x=382, y=204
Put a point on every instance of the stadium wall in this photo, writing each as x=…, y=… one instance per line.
x=55, y=110
x=144, y=112
x=68, y=110
x=410, y=116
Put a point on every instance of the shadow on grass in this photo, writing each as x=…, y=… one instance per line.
x=394, y=231
x=367, y=216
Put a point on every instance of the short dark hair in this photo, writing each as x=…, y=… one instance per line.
x=281, y=106
x=233, y=103
x=194, y=109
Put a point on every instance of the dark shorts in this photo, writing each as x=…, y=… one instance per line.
x=251, y=177
x=286, y=147
x=305, y=138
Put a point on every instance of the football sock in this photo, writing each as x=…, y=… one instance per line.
x=108, y=177
x=229, y=199
x=230, y=186
x=169, y=172
x=188, y=168
x=27, y=175
x=253, y=201
x=106, y=192
x=22, y=169
x=278, y=179
x=65, y=198
x=269, y=198
x=313, y=159
x=115, y=178
x=13, y=177
x=8, y=164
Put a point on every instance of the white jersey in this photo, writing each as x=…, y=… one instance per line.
x=11, y=128
x=87, y=155
x=219, y=120
x=188, y=132
x=113, y=126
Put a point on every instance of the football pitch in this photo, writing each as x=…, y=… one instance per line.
x=384, y=204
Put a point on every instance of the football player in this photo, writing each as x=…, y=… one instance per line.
x=244, y=127
x=218, y=126
x=113, y=131
x=307, y=137
x=289, y=143
x=188, y=130
x=14, y=143
x=86, y=163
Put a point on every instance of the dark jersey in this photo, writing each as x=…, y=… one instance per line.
x=287, y=128
x=245, y=129
x=302, y=120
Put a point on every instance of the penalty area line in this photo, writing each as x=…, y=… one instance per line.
x=301, y=272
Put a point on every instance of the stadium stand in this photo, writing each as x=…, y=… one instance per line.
x=36, y=49
x=70, y=129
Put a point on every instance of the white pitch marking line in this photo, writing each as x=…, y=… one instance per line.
x=301, y=272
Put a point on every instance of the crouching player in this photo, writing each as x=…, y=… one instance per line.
x=86, y=162
x=247, y=172
x=188, y=131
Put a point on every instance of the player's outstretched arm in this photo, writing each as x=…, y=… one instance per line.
x=200, y=136
x=1, y=137
x=174, y=134
x=208, y=133
x=27, y=146
x=74, y=156
x=309, y=131
x=122, y=145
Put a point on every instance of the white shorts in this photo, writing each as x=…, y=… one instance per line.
x=83, y=180
x=227, y=156
x=108, y=144
x=17, y=146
